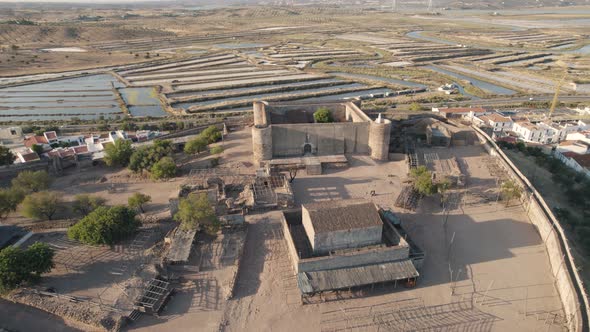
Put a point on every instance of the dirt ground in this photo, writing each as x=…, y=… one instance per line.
x=486, y=270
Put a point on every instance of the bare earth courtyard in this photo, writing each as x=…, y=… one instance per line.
x=486, y=267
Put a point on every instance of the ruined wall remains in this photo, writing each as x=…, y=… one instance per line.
x=379, y=134
x=563, y=267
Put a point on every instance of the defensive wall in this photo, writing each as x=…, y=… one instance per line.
x=567, y=279
x=284, y=130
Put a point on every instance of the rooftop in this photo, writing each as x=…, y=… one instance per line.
x=582, y=159
x=330, y=216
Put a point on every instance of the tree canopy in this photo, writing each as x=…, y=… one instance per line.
x=323, y=115
x=31, y=182
x=84, y=203
x=41, y=205
x=105, y=225
x=138, y=200
x=6, y=156
x=118, y=153
x=18, y=266
x=510, y=190
x=196, y=211
x=423, y=181
x=164, y=168
x=9, y=201
x=196, y=145
x=212, y=134
x=145, y=157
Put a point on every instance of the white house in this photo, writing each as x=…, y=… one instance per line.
x=535, y=133
x=583, y=136
x=496, y=121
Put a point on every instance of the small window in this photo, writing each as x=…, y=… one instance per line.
x=12, y=132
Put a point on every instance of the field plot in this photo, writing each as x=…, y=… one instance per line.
x=142, y=102
x=84, y=97
x=409, y=50
x=301, y=55
x=528, y=38
x=520, y=80
x=230, y=82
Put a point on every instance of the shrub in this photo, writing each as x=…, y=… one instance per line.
x=423, y=181
x=415, y=107
x=41, y=205
x=84, y=203
x=323, y=115
x=31, y=182
x=196, y=145
x=216, y=150
x=196, y=211
x=212, y=134
x=138, y=200
x=6, y=156
x=165, y=168
x=119, y=153
x=510, y=190
x=145, y=157
x=105, y=226
x=9, y=201
x=18, y=266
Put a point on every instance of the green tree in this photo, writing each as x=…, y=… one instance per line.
x=195, y=211
x=216, y=150
x=6, y=156
x=38, y=149
x=18, y=266
x=165, y=168
x=105, y=225
x=145, y=157
x=323, y=115
x=138, y=200
x=212, y=134
x=415, y=107
x=196, y=145
x=510, y=190
x=118, y=153
x=39, y=259
x=9, y=201
x=423, y=181
x=84, y=203
x=41, y=205
x=31, y=182
x=442, y=188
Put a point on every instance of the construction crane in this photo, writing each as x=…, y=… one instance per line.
x=557, y=90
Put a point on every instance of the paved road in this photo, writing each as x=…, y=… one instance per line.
x=515, y=100
x=17, y=317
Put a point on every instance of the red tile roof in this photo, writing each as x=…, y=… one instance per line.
x=582, y=159
x=80, y=149
x=35, y=140
x=51, y=135
x=31, y=156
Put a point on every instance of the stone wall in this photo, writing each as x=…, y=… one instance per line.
x=563, y=267
x=379, y=134
x=352, y=238
x=325, y=138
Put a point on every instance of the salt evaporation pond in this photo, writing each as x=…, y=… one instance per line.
x=142, y=102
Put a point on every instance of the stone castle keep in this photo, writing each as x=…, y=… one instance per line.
x=284, y=130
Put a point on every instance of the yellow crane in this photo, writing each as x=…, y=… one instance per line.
x=558, y=88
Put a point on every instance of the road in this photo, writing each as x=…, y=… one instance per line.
x=18, y=317
x=515, y=100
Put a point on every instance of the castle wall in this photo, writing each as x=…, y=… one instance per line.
x=325, y=138
x=379, y=139
x=262, y=143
